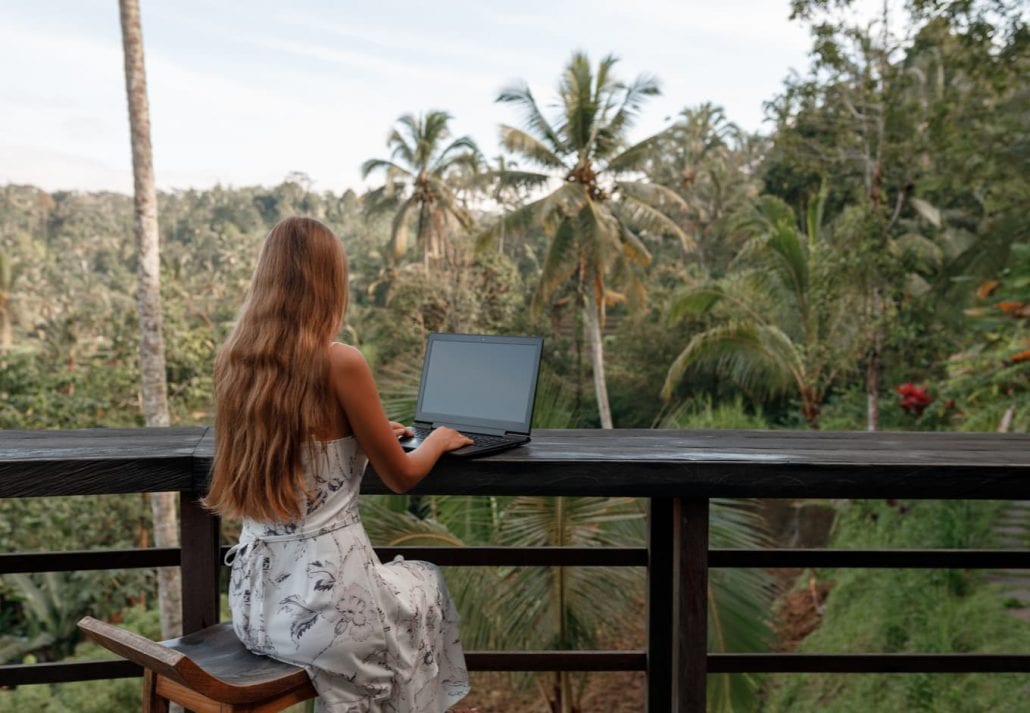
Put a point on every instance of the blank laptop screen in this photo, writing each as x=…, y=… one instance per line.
x=479, y=380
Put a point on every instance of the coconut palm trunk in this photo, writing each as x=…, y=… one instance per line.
x=592, y=310
x=151, y=345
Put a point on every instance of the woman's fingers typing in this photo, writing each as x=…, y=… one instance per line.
x=400, y=430
x=450, y=439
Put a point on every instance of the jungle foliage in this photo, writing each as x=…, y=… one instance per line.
x=703, y=277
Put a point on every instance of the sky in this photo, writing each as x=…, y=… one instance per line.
x=244, y=93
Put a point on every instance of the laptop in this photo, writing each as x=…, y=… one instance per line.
x=481, y=385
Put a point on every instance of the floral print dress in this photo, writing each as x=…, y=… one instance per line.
x=374, y=637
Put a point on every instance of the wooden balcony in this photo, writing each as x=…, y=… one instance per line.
x=678, y=471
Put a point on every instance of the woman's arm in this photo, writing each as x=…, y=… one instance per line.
x=354, y=387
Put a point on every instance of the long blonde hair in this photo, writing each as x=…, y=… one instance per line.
x=270, y=377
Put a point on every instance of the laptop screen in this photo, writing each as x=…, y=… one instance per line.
x=475, y=379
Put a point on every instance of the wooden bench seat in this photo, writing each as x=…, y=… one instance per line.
x=208, y=671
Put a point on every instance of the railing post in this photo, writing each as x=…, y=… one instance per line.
x=690, y=620
x=200, y=566
x=659, y=604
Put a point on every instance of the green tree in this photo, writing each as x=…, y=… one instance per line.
x=418, y=186
x=782, y=322
x=597, y=217
x=909, y=121
x=709, y=161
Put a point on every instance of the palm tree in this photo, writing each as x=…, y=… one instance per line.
x=596, y=218
x=151, y=348
x=418, y=186
x=709, y=161
x=783, y=323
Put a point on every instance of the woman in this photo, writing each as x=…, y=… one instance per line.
x=297, y=419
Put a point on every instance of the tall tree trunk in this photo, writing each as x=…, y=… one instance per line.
x=151, y=345
x=592, y=310
x=6, y=336
x=872, y=372
x=872, y=389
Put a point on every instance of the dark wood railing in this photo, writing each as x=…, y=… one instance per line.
x=679, y=471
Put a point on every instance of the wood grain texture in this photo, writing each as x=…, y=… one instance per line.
x=200, y=564
x=643, y=463
x=96, y=461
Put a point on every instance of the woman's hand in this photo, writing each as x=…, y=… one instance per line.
x=449, y=439
x=400, y=430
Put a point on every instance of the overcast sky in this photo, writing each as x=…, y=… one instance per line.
x=243, y=93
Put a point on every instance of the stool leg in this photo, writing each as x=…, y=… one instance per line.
x=152, y=703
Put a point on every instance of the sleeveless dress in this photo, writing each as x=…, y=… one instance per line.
x=373, y=637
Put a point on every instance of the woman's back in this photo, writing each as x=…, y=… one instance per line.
x=307, y=587
x=312, y=592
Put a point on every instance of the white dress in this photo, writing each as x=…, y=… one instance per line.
x=374, y=638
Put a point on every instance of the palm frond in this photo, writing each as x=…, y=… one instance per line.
x=522, y=143
x=381, y=164
x=544, y=213
x=517, y=179
x=400, y=229
x=559, y=265
x=521, y=95
x=635, y=95
x=580, y=111
x=386, y=526
x=398, y=385
x=634, y=249
x=758, y=357
x=653, y=194
x=695, y=302
x=790, y=260
x=468, y=156
x=399, y=147
x=633, y=157
x=643, y=217
x=435, y=130
x=597, y=232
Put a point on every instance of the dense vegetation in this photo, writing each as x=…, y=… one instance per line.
x=866, y=264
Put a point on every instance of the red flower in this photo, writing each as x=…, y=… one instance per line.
x=914, y=399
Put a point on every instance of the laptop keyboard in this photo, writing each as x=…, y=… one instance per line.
x=480, y=439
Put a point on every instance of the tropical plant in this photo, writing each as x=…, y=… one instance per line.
x=597, y=217
x=782, y=322
x=709, y=161
x=988, y=385
x=51, y=606
x=418, y=186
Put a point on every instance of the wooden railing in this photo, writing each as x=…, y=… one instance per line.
x=679, y=471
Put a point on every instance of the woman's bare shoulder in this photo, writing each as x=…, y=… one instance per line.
x=344, y=357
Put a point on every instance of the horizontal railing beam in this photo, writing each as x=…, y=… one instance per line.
x=521, y=556
x=868, y=663
x=67, y=672
x=556, y=660
x=872, y=559
x=625, y=462
x=81, y=560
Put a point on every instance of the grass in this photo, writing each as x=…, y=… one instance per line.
x=909, y=611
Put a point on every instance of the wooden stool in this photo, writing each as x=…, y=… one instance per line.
x=208, y=671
